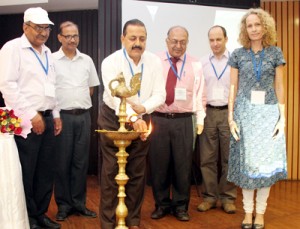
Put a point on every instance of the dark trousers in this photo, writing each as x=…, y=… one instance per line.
x=37, y=159
x=135, y=170
x=214, y=145
x=170, y=155
x=72, y=159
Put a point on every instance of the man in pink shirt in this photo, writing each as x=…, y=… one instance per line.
x=171, y=144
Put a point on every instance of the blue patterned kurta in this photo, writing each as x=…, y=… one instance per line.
x=256, y=160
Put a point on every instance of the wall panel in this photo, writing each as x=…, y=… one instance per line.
x=286, y=15
x=109, y=25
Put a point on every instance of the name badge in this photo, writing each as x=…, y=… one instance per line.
x=218, y=93
x=180, y=94
x=258, y=97
x=49, y=89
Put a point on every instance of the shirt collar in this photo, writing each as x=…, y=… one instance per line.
x=225, y=54
x=26, y=44
x=180, y=58
x=131, y=60
x=61, y=54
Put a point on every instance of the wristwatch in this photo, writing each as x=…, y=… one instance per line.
x=133, y=118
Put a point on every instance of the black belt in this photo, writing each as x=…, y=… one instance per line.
x=173, y=115
x=45, y=113
x=217, y=107
x=74, y=111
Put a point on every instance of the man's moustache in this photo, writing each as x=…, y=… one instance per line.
x=137, y=47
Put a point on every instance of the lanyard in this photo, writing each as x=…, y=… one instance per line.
x=131, y=70
x=213, y=66
x=173, y=69
x=41, y=63
x=257, y=68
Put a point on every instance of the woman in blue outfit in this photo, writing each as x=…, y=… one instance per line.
x=256, y=118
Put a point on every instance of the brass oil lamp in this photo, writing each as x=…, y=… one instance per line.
x=122, y=138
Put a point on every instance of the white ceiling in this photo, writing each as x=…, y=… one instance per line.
x=51, y=6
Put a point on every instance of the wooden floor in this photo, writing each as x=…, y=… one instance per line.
x=283, y=211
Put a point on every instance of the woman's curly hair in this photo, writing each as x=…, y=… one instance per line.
x=268, y=24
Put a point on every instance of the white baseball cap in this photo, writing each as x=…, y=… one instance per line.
x=37, y=15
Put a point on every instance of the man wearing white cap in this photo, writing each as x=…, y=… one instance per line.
x=27, y=80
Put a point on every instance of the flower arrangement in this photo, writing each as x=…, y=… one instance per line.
x=9, y=122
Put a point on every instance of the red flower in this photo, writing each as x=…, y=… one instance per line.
x=11, y=112
x=3, y=129
x=18, y=130
x=11, y=126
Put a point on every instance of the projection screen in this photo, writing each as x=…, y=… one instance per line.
x=159, y=17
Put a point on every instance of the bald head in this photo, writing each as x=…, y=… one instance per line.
x=177, y=41
x=176, y=28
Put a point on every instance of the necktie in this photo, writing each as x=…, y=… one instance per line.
x=171, y=82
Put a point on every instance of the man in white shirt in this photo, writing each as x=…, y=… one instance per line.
x=27, y=82
x=130, y=60
x=214, y=141
x=76, y=77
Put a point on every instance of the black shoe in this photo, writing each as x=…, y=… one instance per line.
x=246, y=225
x=61, y=215
x=258, y=226
x=34, y=224
x=47, y=223
x=181, y=215
x=160, y=213
x=87, y=213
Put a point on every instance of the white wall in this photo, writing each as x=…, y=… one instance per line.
x=159, y=17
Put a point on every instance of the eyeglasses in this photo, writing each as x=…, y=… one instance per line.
x=69, y=37
x=39, y=29
x=175, y=42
